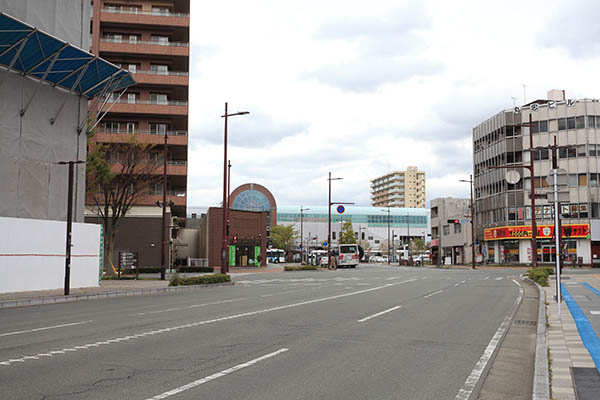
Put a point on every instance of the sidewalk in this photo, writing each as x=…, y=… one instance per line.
x=566, y=348
x=114, y=288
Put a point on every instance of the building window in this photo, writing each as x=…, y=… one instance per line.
x=574, y=211
x=591, y=121
x=593, y=179
x=158, y=98
x=581, y=150
x=370, y=237
x=158, y=129
x=582, y=181
x=131, y=98
x=571, y=123
x=544, y=126
x=592, y=150
x=133, y=39
x=580, y=122
x=583, y=211
x=160, y=10
x=162, y=40
x=111, y=127
x=159, y=69
x=562, y=124
x=131, y=127
x=457, y=228
x=446, y=230
x=132, y=68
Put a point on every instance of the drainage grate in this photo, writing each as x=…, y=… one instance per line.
x=523, y=322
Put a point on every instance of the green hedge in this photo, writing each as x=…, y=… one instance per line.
x=183, y=270
x=176, y=280
x=301, y=268
x=540, y=275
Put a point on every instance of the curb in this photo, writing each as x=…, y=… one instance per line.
x=541, y=379
x=104, y=295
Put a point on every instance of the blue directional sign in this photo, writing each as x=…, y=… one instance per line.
x=325, y=244
x=341, y=209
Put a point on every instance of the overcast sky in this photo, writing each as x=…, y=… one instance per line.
x=362, y=88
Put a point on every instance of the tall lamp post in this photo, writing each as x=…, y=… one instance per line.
x=388, y=240
x=69, y=223
x=224, y=252
x=531, y=172
x=470, y=181
x=302, y=209
x=330, y=203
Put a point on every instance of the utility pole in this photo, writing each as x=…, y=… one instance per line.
x=470, y=181
x=302, y=209
x=163, y=266
x=69, y=224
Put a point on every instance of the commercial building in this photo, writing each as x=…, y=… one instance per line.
x=150, y=39
x=371, y=225
x=47, y=78
x=451, y=230
x=399, y=189
x=503, y=208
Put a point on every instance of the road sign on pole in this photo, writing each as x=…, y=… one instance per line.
x=341, y=209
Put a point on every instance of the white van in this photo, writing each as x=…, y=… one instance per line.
x=349, y=255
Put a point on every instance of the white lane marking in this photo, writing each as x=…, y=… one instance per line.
x=211, y=321
x=594, y=312
x=458, y=283
x=486, y=278
x=192, y=306
x=433, y=294
x=379, y=313
x=45, y=328
x=571, y=283
x=280, y=293
x=465, y=392
x=499, y=278
x=216, y=376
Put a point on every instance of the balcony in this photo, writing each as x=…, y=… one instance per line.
x=172, y=107
x=152, y=137
x=151, y=199
x=129, y=17
x=158, y=48
x=161, y=78
x=178, y=168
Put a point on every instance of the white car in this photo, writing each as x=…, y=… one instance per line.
x=376, y=259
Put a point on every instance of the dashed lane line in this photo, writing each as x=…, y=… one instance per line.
x=216, y=376
x=433, y=294
x=198, y=323
x=192, y=306
x=44, y=328
x=379, y=313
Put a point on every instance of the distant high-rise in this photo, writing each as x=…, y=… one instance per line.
x=399, y=189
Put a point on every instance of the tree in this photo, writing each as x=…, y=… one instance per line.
x=283, y=237
x=118, y=175
x=419, y=244
x=365, y=245
x=347, y=236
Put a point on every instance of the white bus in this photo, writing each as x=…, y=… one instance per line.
x=349, y=255
x=275, y=256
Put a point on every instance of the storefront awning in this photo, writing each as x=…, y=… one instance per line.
x=34, y=53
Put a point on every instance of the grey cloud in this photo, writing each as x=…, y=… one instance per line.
x=574, y=28
x=254, y=130
x=369, y=74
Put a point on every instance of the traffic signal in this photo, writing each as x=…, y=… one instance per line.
x=454, y=221
x=234, y=239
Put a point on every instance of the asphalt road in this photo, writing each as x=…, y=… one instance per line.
x=373, y=332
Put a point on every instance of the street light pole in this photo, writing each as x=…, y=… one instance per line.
x=69, y=224
x=388, y=240
x=163, y=250
x=225, y=209
x=470, y=181
x=329, y=217
x=302, y=209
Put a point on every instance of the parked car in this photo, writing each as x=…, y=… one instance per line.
x=376, y=259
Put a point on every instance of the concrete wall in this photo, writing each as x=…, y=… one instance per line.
x=32, y=255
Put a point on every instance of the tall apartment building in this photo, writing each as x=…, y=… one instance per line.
x=503, y=209
x=149, y=38
x=399, y=189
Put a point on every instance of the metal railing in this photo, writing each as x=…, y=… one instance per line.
x=172, y=192
x=167, y=73
x=135, y=42
x=169, y=162
x=158, y=102
x=140, y=12
x=169, y=133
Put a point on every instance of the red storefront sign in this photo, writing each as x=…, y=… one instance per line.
x=543, y=232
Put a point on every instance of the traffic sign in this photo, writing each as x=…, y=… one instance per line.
x=561, y=177
x=325, y=244
x=341, y=209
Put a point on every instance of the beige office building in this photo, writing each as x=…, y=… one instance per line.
x=399, y=189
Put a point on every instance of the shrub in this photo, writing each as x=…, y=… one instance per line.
x=183, y=270
x=176, y=280
x=540, y=275
x=301, y=268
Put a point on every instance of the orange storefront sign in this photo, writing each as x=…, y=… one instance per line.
x=543, y=232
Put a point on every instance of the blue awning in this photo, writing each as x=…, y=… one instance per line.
x=37, y=54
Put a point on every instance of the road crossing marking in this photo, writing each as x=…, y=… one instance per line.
x=594, y=312
x=44, y=328
x=379, y=313
x=204, y=322
x=216, y=376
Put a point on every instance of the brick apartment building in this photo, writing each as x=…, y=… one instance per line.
x=399, y=189
x=151, y=40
